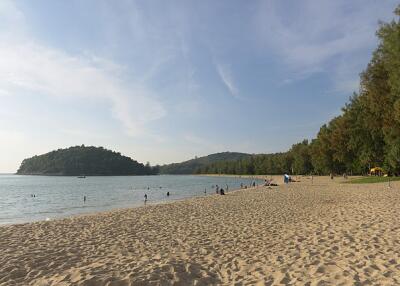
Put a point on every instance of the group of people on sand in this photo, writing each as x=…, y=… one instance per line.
x=269, y=183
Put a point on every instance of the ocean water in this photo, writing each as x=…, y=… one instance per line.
x=35, y=198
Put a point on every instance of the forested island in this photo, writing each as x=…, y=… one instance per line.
x=84, y=160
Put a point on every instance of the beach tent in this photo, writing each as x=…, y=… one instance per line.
x=376, y=171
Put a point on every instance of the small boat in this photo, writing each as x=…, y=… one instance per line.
x=81, y=177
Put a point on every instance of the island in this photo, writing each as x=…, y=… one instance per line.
x=84, y=161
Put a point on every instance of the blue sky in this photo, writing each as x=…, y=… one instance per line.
x=164, y=81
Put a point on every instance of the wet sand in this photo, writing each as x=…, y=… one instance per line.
x=325, y=233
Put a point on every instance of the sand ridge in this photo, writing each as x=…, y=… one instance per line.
x=326, y=233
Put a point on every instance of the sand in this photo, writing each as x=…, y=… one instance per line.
x=298, y=234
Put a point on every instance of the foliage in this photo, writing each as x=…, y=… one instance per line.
x=192, y=166
x=82, y=160
x=254, y=164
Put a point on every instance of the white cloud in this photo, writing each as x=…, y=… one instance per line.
x=310, y=38
x=32, y=67
x=226, y=77
x=323, y=36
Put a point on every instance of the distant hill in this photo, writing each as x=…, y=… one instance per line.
x=195, y=165
x=83, y=160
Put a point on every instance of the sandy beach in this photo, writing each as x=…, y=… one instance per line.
x=325, y=233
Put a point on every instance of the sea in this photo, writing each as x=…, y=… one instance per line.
x=36, y=198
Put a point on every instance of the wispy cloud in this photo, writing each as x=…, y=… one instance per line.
x=226, y=76
x=28, y=66
x=325, y=35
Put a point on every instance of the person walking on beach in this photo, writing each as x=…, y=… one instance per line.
x=286, y=178
x=217, y=189
x=145, y=197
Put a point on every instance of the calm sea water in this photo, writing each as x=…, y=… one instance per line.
x=57, y=197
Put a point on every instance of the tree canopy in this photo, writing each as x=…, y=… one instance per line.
x=82, y=160
x=194, y=165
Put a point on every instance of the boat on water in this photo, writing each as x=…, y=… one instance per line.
x=81, y=177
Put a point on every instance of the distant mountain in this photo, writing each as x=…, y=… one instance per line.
x=195, y=165
x=83, y=160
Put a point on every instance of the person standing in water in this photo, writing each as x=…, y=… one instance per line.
x=167, y=194
x=84, y=199
x=145, y=197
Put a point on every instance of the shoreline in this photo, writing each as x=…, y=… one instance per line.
x=276, y=178
x=326, y=233
x=117, y=208
x=122, y=209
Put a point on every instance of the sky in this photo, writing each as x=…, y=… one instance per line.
x=165, y=81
